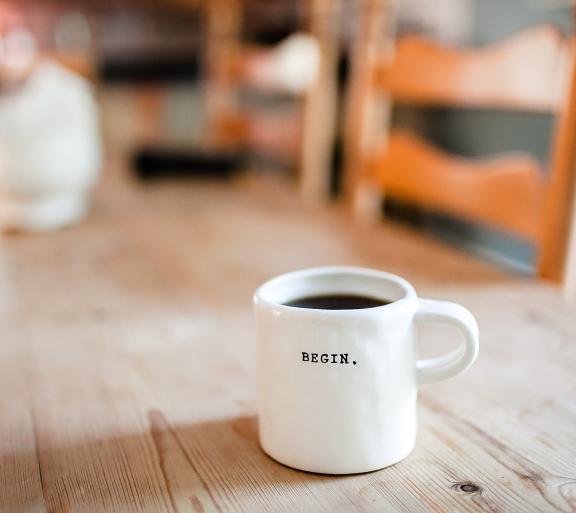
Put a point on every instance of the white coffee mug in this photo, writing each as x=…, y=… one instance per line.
x=337, y=388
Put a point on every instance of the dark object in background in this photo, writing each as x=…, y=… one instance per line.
x=182, y=68
x=159, y=163
x=267, y=22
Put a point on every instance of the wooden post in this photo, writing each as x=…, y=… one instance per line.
x=557, y=255
x=367, y=115
x=320, y=105
x=222, y=22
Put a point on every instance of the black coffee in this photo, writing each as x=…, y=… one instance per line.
x=337, y=302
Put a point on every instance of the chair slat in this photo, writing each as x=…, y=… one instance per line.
x=495, y=76
x=505, y=191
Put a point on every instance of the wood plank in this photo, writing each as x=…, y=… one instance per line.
x=496, y=76
x=128, y=364
x=21, y=479
x=476, y=189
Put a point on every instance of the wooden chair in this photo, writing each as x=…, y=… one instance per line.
x=309, y=134
x=533, y=70
x=306, y=137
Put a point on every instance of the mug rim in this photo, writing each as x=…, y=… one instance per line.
x=409, y=291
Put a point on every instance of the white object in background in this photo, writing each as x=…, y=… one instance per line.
x=291, y=66
x=352, y=407
x=50, y=150
x=297, y=61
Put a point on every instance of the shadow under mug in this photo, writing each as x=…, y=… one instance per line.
x=337, y=389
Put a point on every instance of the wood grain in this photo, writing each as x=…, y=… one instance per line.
x=127, y=364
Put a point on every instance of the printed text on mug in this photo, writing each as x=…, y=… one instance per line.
x=340, y=358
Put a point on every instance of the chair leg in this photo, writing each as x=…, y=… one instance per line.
x=223, y=25
x=320, y=116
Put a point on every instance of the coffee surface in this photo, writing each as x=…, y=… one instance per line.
x=337, y=302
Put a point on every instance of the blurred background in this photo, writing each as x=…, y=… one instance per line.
x=456, y=117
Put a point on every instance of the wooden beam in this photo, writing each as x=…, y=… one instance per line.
x=222, y=22
x=559, y=198
x=320, y=105
x=367, y=114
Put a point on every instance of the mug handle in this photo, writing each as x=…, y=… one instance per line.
x=443, y=367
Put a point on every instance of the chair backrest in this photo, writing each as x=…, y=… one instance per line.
x=531, y=71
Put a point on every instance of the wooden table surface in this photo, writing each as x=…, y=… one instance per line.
x=127, y=365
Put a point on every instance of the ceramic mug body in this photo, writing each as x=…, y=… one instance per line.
x=337, y=388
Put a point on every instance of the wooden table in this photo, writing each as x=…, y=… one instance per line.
x=127, y=365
